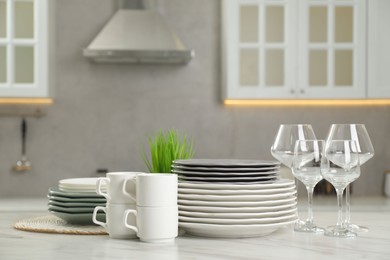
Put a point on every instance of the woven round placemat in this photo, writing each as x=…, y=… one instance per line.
x=53, y=224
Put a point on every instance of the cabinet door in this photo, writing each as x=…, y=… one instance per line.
x=378, y=49
x=259, y=49
x=332, y=49
x=23, y=48
x=305, y=49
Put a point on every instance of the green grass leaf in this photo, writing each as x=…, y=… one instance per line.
x=165, y=148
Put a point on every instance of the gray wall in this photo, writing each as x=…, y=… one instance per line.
x=103, y=113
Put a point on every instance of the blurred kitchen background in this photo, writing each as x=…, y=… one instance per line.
x=103, y=113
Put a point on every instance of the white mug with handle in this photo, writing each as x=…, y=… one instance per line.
x=114, y=225
x=154, y=224
x=119, y=190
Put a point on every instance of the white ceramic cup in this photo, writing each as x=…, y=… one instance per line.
x=114, y=220
x=156, y=190
x=118, y=189
x=154, y=224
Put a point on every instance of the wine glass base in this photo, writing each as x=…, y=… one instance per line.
x=302, y=226
x=356, y=228
x=335, y=231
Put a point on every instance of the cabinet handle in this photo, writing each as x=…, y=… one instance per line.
x=292, y=91
x=302, y=91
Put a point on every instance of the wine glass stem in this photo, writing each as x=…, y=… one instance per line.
x=347, y=205
x=310, y=204
x=340, y=208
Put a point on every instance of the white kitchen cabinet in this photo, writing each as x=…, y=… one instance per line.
x=303, y=49
x=378, y=49
x=24, y=48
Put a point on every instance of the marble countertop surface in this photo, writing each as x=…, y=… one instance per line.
x=373, y=212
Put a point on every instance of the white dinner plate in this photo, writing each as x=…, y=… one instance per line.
x=224, y=174
x=71, y=210
x=79, y=218
x=229, y=179
x=242, y=198
x=249, y=186
x=72, y=194
x=235, y=221
x=75, y=204
x=221, y=209
x=226, y=163
x=252, y=215
x=223, y=170
x=236, y=192
x=232, y=231
x=237, y=203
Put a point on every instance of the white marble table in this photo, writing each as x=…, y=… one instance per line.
x=284, y=244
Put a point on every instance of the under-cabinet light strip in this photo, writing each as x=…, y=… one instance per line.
x=311, y=102
x=26, y=101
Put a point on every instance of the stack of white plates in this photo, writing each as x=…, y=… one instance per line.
x=75, y=199
x=234, y=209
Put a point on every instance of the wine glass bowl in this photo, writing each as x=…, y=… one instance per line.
x=337, y=155
x=356, y=132
x=283, y=146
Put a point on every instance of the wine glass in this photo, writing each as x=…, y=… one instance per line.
x=284, y=143
x=340, y=166
x=306, y=167
x=358, y=133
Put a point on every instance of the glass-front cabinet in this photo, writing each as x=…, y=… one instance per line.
x=305, y=49
x=24, y=48
x=378, y=48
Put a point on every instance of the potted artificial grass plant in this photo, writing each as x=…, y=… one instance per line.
x=165, y=148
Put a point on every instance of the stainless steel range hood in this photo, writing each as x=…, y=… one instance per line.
x=138, y=36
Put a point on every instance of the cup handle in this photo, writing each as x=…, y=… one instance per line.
x=125, y=217
x=124, y=188
x=99, y=187
x=95, y=211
